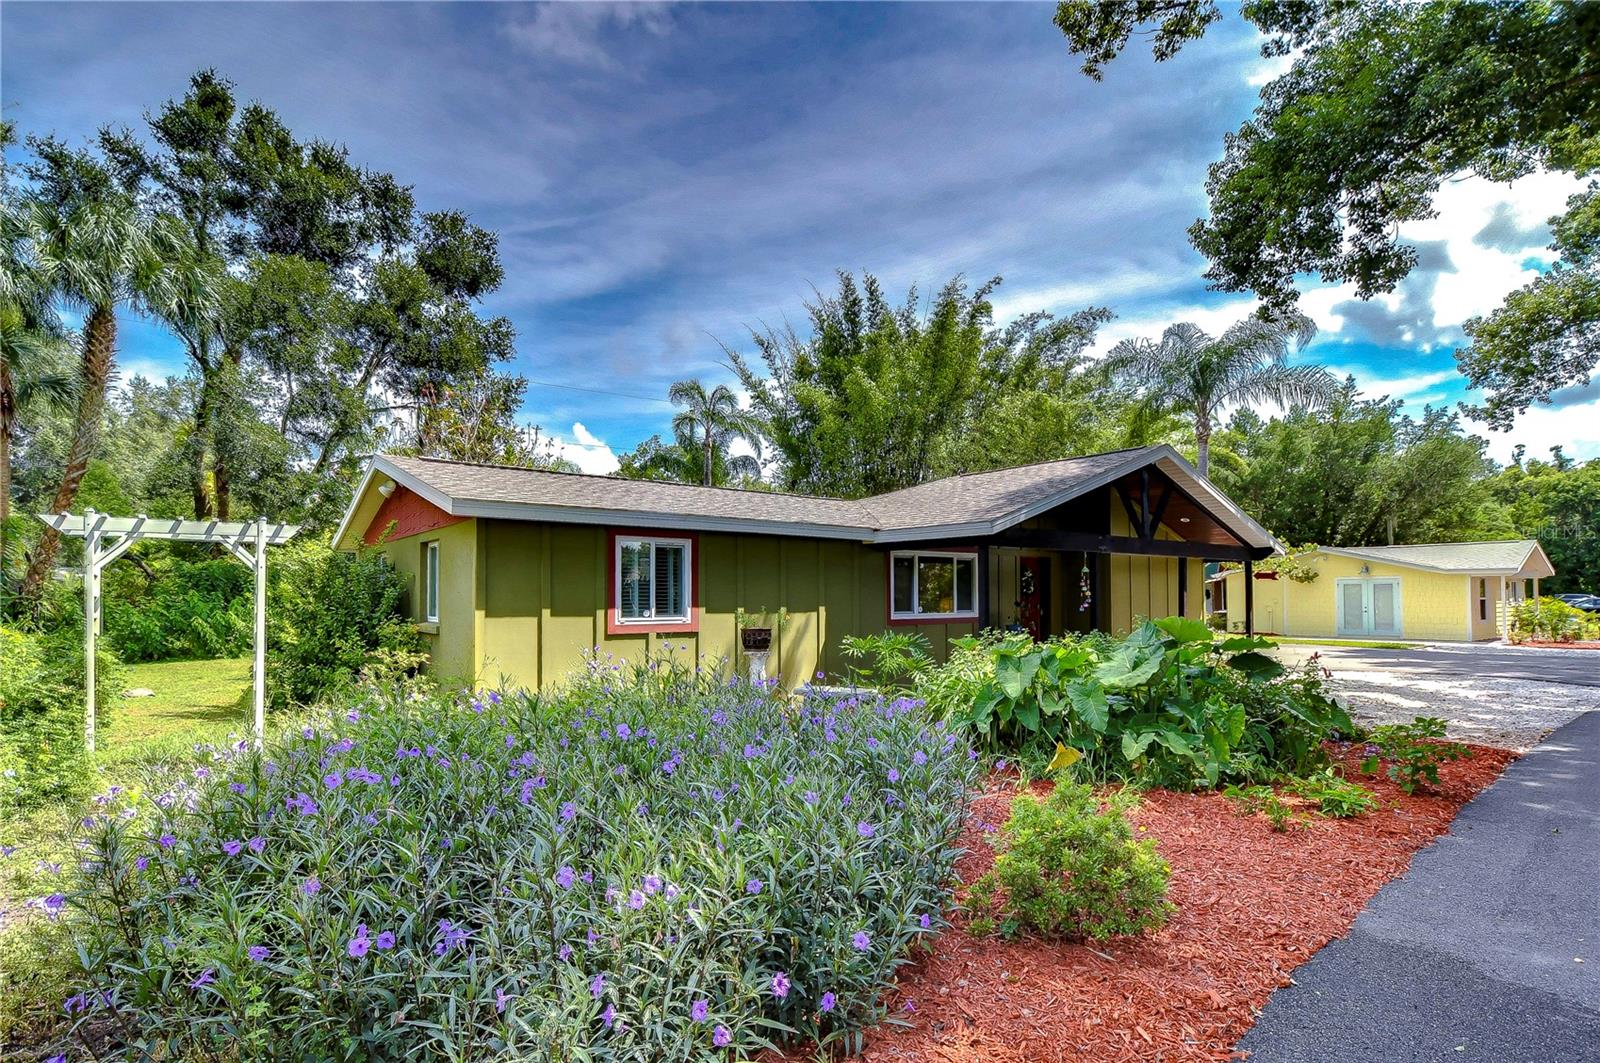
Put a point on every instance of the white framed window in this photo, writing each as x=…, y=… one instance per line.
x=653, y=579
x=932, y=586
x=430, y=582
x=1483, y=599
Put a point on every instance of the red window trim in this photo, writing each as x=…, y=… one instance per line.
x=888, y=588
x=619, y=627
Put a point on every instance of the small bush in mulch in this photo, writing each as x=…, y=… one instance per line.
x=1065, y=868
x=1414, y=751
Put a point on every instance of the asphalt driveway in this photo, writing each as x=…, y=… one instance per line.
x=1486, y=949
x=1498, y=695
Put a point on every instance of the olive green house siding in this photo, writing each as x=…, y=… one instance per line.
x=527, y=560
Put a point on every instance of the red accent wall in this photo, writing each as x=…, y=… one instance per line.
x=410, y=513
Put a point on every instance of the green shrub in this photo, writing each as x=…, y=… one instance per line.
x=1552, y=620
x=892, y=659
x=1335, y=796
x=1262, y=800
x=1064, y=868
x=1414, y=751
x=193, y=610
x=42, y=755
x=615, y=871
x=332, y=615
x=1168, y=705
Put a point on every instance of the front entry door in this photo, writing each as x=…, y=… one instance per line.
x=1032, y=575
x=1368, y=606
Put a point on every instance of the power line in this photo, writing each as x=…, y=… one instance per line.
x=599, y=391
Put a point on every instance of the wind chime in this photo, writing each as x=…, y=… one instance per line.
x=1085, y=588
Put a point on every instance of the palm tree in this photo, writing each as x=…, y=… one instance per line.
x=92, y=247
x=711, y=421
x=1249, y=363
x=683, y=461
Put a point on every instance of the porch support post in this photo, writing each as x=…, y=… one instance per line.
x=1249, y=600
x=1183, y=586
x=1097, y=603
x=983, y=586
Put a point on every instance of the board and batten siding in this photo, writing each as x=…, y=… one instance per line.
x=521, y=603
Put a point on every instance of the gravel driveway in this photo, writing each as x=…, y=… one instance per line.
x=1498, y=695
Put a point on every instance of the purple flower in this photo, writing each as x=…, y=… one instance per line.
x=635, y=900
x=894, y=775
x=564, y=877
x=569, y=812
x=450, y=936
x=142, y=862
x=700, y=1009
x=721, y=1037
x=257, y=844
x=828, y=1001
x=624, y=731
x=811, y=797
x=753, y=886
x=53, y=904
x=232, y=847
x=501, y=998
x=780, y=985
x=861, y=941
x=597, y=985
x=311, y=886
x=332, y=780
x=205, y=978
x=865, y=829
x=652, y=883
x=926, y=922
x=359, y=944
x=919, y=757
x=384, y=940
x=257, y=953
x=77, y=1003
x=167, y=841
x=608, y=1016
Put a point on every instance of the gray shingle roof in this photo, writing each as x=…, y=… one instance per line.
x=1504, y=556
x=532, y=487
x=970, y=504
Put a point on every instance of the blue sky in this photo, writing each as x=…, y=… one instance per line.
x=663, y=178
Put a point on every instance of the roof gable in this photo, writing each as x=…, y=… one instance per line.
x=1507, y=557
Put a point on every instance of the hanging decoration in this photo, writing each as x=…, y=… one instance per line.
x=1085, y=588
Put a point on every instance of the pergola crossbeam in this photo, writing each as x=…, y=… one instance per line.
x=108, y=538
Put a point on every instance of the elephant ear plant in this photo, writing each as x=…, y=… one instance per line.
x=1170, y=705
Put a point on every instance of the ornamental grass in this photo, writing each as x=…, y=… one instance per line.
x=648, y=864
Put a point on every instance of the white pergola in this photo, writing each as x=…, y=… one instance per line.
x=107, y=538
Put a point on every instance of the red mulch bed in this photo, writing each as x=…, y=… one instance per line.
x=1252, y=906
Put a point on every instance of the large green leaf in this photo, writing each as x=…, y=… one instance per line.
x=1258, y=666
x=1015, y=674
x=1130, y=667
x=1027, y=714
x=1133, y=746
x=1089, y=702
x=1184, y=629
x=1239, y=643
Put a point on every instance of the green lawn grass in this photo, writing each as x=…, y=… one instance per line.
x=195, y=701
x=1346, y=642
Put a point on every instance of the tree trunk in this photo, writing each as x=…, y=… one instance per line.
x=99, y=356
x=1202, y=442
x=709, y=454
x=197, y=443
x=7, y=416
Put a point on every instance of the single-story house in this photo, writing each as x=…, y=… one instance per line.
x=515, y=574
x=1448, y=592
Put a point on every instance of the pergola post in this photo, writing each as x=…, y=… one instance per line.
x=91, y=618
x=1249, y=600
x=261, y=632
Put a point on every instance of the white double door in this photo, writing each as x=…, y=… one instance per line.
x=1368, y=606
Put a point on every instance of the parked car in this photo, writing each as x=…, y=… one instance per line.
x=1589, y=603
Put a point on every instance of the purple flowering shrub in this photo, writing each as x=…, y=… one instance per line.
x=647, y=865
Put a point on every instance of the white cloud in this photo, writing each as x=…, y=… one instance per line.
x=1574, y=428
x=1411, y=386
x=586, y=450
x=571, y=32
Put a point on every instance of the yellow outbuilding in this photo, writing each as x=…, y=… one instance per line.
x=1445, y=592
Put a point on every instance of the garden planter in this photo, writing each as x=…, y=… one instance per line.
x=756, y=639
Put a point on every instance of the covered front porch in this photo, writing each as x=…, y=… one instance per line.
x=1100, y=560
